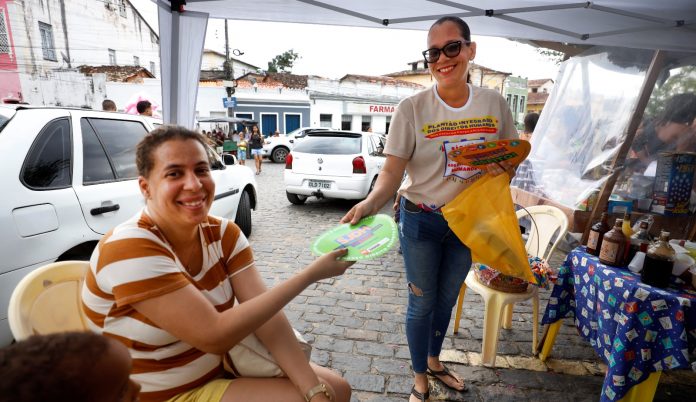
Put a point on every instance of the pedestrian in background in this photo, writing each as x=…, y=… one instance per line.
x=256, y=146
x=109, y=106
x=422, y=131
x=530, y=122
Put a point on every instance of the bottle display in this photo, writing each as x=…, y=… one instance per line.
x=594, y=241
x=659, y=262
x=612, y=251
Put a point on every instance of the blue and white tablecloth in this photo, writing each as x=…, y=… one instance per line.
x=636, y=328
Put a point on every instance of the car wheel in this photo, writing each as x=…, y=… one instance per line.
x=296, y=199
x=279, y=154
x=243, y=218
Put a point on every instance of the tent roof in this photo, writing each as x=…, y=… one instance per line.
x=648, y=24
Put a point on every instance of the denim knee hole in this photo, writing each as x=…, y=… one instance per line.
x=415, y=290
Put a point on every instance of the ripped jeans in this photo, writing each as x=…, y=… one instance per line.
x=436, y=265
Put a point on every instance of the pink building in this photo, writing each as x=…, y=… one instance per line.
x=10, y=88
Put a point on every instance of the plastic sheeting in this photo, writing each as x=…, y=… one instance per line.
x=584, y=123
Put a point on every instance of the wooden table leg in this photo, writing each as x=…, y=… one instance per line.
x=645, y=391
x=549, y=339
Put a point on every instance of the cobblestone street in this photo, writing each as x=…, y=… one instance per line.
x=356, y=322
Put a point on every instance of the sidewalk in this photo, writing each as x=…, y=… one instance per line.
x=356, y=322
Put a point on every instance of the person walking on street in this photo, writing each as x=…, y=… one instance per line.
x=424, y=128
x=256, y=146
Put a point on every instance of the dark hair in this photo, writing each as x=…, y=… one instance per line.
x=530, y=122
x=50, y=367
x=157, y=137
x=108, y=104
x=679, y=108
x=142, y=106
x=463, y=27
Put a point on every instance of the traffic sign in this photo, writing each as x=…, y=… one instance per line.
x=229, y=102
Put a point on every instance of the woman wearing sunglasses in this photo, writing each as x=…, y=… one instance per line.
x=424, y=128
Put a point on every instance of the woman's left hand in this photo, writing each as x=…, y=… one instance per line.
x=495, y=169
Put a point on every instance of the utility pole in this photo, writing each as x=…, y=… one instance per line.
x=229, y=84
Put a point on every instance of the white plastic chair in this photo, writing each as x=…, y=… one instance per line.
x=546, y=220
x=47, y=300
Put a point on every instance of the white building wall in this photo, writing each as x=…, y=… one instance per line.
x=93, y=27
x=64, y=88
x=326, y=106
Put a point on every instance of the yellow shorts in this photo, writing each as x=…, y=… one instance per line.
x=210, y=392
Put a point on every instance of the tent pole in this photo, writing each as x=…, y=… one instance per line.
x=174, y=69
x=656, y=65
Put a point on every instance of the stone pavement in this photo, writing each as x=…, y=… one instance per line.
x=356, y=322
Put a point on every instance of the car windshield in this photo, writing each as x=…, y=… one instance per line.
x=5, y=116
x=330, y=144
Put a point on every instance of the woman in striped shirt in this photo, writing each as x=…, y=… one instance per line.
x=165, y=283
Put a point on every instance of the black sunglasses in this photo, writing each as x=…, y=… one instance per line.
x=451, y=49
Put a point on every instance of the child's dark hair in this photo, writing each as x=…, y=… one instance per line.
x=463, y=27
x=50, y=367
x=530, y=122
x=679, y=108
x=157, y=137
x=142, y=106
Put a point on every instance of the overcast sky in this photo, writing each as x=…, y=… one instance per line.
x=334, y=51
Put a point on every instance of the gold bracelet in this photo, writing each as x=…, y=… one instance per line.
x=317, y=389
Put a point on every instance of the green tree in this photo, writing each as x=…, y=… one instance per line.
x=283, y=62
x=555, y=56
x=680, y=80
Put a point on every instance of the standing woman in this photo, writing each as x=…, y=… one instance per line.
x=256, y=145
x=424, y=128
x=179, y=288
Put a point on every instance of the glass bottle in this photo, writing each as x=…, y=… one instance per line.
x=659, y=262
x=639, y=241
x=594, y=241
x=613, y=246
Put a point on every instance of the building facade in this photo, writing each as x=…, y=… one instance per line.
x=213, y=61
x=51, y=39
x=539, y=91
x=10, y=88
x=515, y=92
x=357, y=102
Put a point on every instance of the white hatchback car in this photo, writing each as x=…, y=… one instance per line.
x=69, y=176
x=277, y=148
x=334, y=164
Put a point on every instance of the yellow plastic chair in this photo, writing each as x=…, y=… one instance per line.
x=546, y=220
x=48, y=300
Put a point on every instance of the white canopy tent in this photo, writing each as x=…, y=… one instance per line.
x=647, y=24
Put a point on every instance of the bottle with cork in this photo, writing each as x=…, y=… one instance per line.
x=594, y=241
x=613, y=247
x=659, y=262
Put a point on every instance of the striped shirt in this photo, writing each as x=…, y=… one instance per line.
x=135, y=262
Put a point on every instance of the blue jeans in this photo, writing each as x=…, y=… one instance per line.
x=436, y=265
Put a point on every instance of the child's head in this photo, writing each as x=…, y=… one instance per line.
x=70, y=366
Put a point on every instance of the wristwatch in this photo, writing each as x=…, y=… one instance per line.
x=317, y=389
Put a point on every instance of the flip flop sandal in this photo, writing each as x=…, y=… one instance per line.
x=445, y=372
x=421, y=397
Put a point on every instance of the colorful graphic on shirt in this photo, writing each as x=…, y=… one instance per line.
x=477, y=125
x=453, y=169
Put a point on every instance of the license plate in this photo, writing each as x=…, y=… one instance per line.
x=319, y=184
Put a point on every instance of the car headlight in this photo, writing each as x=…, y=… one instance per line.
x=267, y=142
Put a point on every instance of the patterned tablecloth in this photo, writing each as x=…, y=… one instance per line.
x=636, y=328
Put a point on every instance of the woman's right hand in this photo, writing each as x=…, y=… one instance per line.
x=328, y=265
x=362, y=209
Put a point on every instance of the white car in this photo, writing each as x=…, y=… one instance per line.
x=69, y=176
x=277, y=148
x=334, y=164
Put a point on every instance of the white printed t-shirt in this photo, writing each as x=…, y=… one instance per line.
x=424, y=129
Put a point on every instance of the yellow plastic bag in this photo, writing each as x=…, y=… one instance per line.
x=484, y=219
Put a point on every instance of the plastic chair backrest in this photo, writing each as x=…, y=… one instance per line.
x=47, y=300
x=546, y=220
